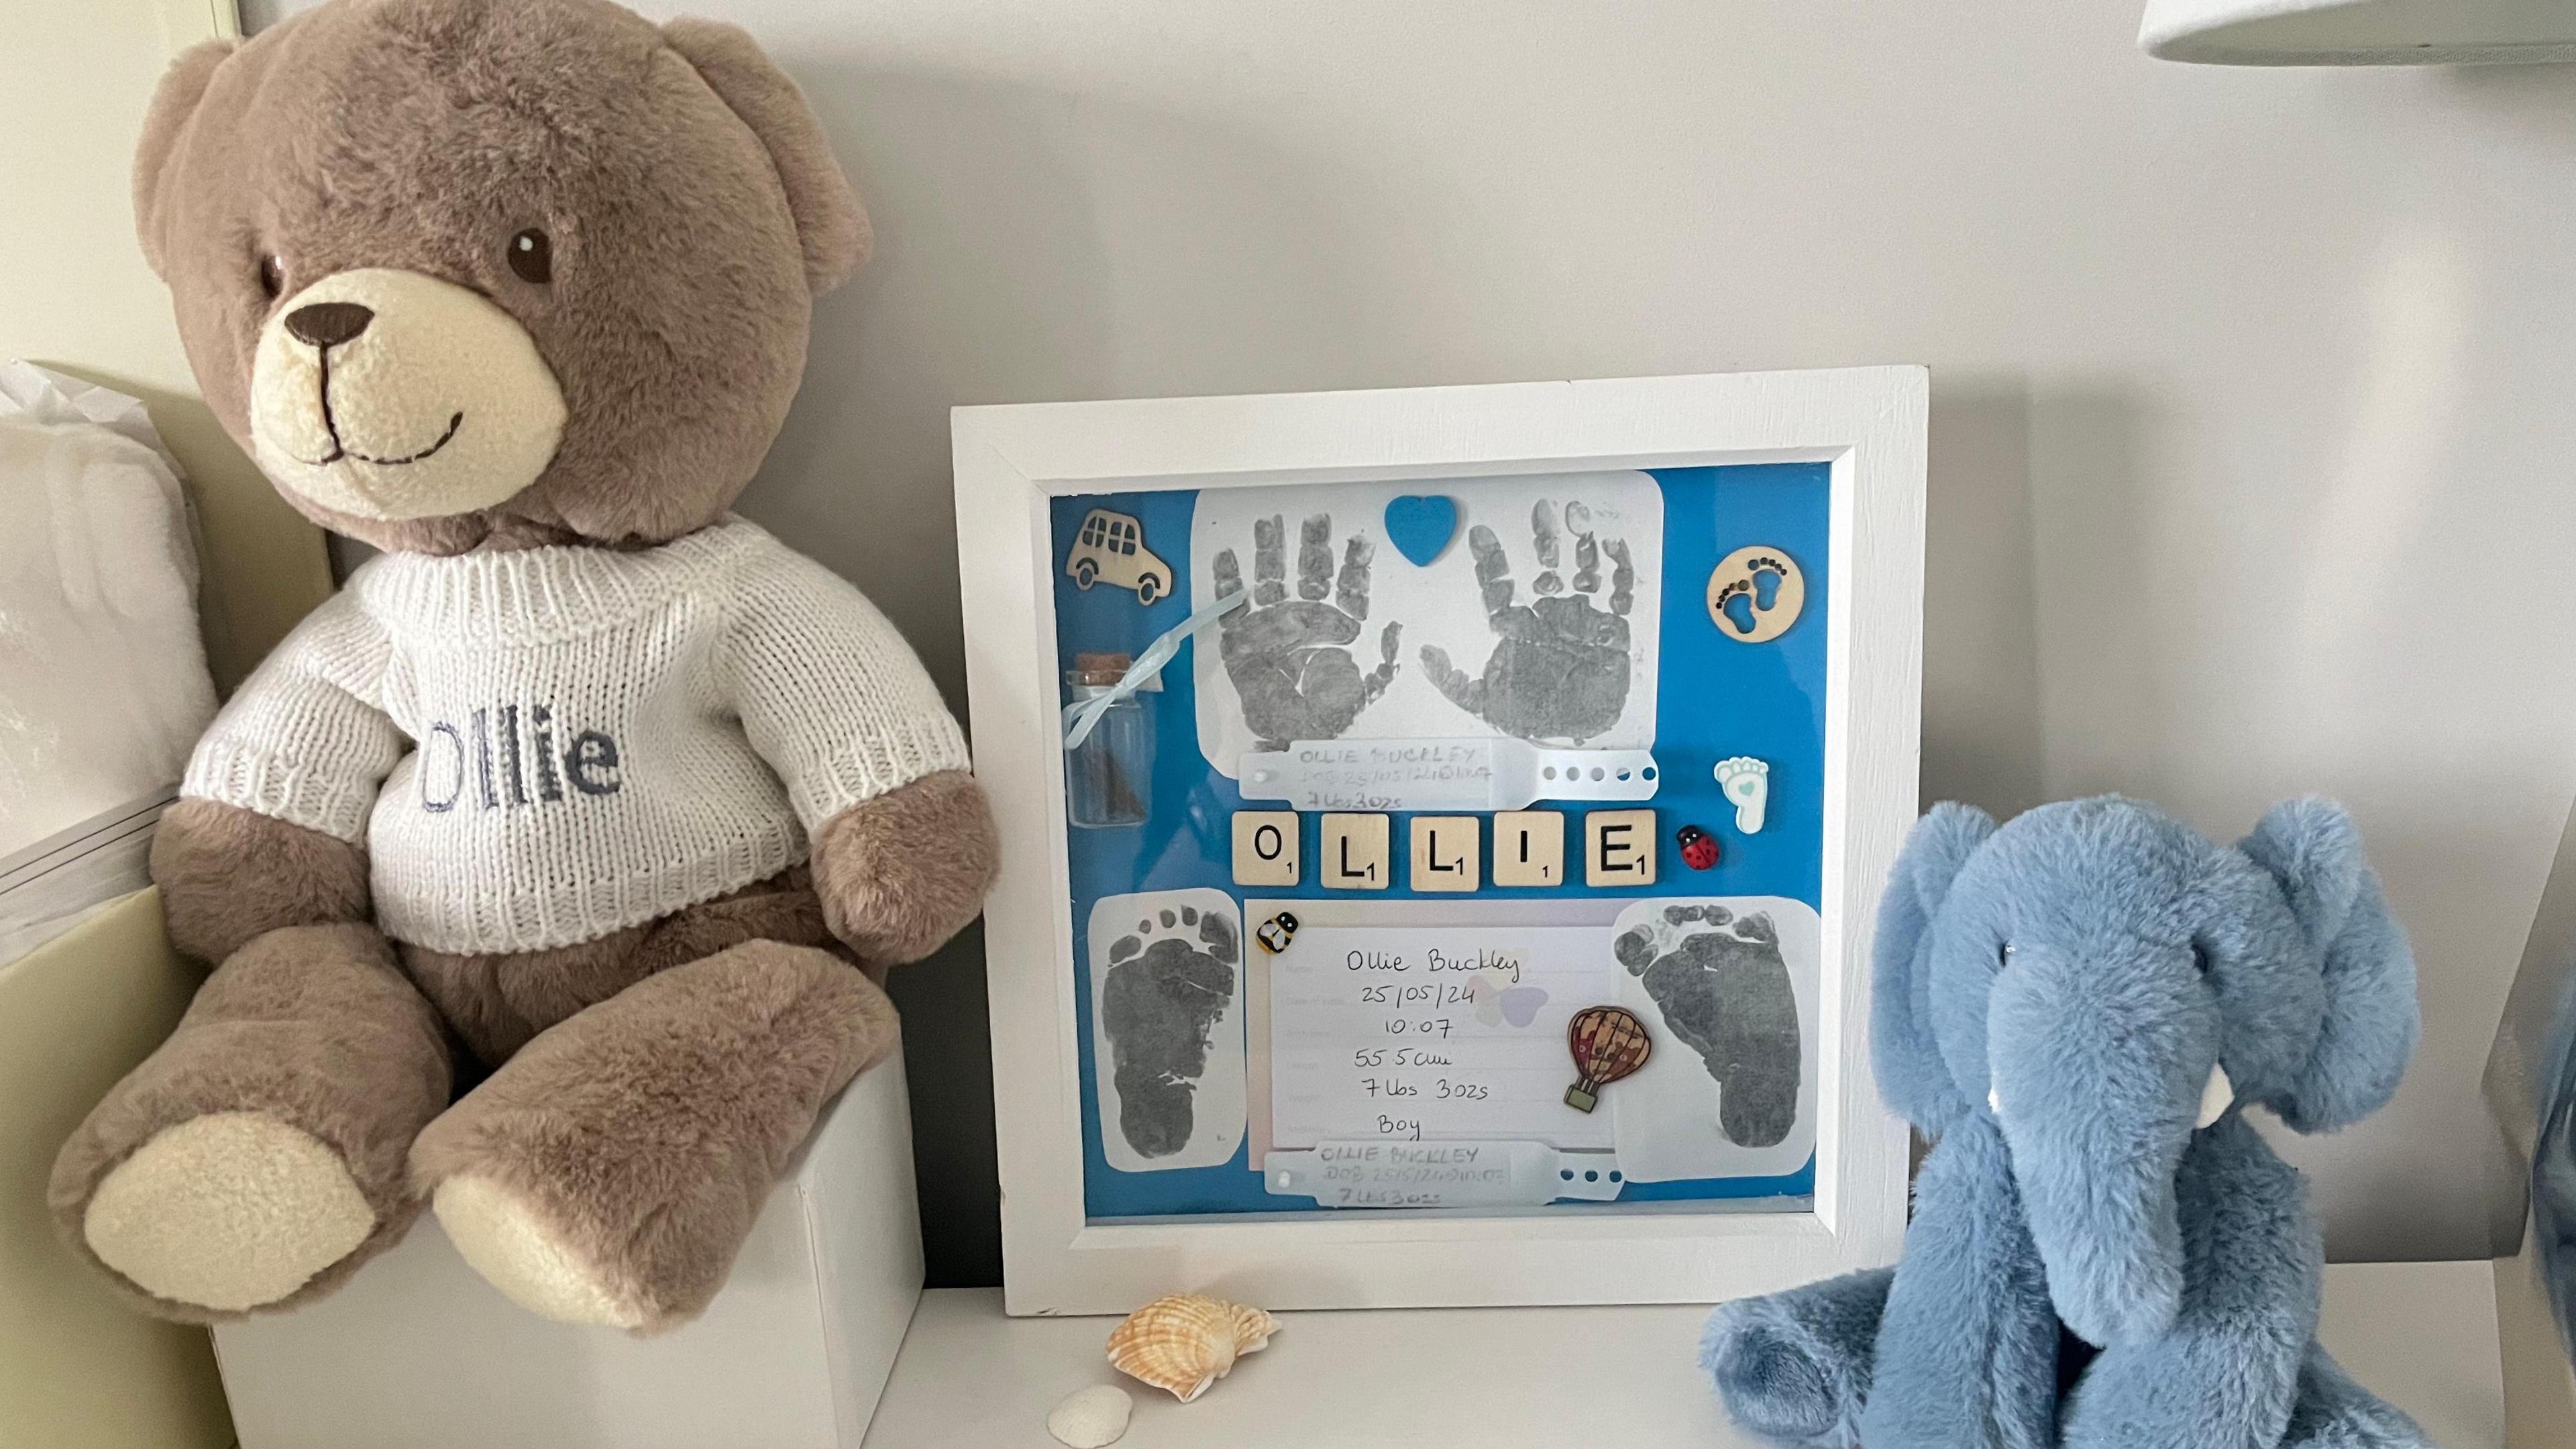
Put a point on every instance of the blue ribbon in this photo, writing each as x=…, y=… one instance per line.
x=1081, y=715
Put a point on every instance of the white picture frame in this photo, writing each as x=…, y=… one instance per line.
x=1868, y=424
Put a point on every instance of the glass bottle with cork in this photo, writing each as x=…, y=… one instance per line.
x=1109, y=776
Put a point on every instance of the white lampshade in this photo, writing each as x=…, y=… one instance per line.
x=2359, y=32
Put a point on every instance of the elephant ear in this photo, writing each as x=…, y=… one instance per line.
x=2371, y=1018
x=1911, y=1073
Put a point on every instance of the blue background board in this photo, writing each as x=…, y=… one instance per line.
x=1714, y=698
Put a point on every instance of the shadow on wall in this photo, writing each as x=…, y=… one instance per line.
x=998, y=278
x=2016, y=713
x=1981, y=726
x=2103, y=694
x=2533, y=98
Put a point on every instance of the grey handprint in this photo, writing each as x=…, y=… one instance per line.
x=1560, y=664
x=1288, y=658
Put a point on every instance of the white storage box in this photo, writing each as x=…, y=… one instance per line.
x=416, y=1351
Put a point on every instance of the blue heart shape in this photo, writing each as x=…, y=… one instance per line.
x=1420, y=527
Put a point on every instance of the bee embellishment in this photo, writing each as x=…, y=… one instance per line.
x=1276, y=933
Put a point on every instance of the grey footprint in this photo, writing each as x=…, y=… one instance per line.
x=1724, y=990
x=1168, y=984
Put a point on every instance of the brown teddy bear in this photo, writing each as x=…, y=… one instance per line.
x=584, y=775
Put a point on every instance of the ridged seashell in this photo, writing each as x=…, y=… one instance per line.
x=1185, y=1342
x=1093, y=1417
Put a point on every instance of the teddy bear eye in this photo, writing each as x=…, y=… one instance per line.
x=272, y=276
x=532, y=256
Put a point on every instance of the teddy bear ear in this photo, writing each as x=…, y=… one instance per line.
x=174, y=101
x=830, y=223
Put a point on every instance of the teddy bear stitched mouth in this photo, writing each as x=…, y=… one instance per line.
x=340, y=449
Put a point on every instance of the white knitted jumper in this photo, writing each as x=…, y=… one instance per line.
x=543, y=746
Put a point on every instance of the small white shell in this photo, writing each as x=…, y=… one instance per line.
x=1185, y=1342
x=1093, y=1417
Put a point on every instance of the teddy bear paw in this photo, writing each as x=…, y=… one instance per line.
x=504, y=1237
x=227, y=1212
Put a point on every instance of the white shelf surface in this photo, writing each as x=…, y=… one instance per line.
x=2422, y=1334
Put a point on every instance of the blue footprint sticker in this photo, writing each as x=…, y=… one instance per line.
x=1756, y=594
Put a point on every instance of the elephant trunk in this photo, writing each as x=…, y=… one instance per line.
x=2102, y=1065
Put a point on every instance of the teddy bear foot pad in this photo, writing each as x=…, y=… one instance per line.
x=504, y=1238
x=230, y=1211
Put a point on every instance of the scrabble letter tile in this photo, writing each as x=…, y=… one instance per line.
x=1529, y=848
x=1446, y=852
x=1355, y=852
x=1619, y=848
x=1265, y=847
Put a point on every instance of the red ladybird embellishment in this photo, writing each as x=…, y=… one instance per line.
x=1699, y=848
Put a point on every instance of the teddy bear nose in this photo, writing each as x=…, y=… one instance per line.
x=327, y=324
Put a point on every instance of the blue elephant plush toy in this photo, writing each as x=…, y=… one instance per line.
x=2079, y=1006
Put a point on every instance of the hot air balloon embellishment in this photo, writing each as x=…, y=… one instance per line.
x=1608, y=1042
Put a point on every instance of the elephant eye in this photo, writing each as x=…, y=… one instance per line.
x=2003, y=956
x=532, y=257
x=2200, y=957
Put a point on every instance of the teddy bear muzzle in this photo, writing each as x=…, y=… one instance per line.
x=387, y=394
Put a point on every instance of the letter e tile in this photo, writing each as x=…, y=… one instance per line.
x=1619, y=848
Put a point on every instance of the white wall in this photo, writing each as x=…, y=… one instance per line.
x=2250, y=417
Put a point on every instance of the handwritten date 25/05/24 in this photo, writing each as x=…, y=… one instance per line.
x=1426, y=993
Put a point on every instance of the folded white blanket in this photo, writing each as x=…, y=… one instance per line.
x=103, y=685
